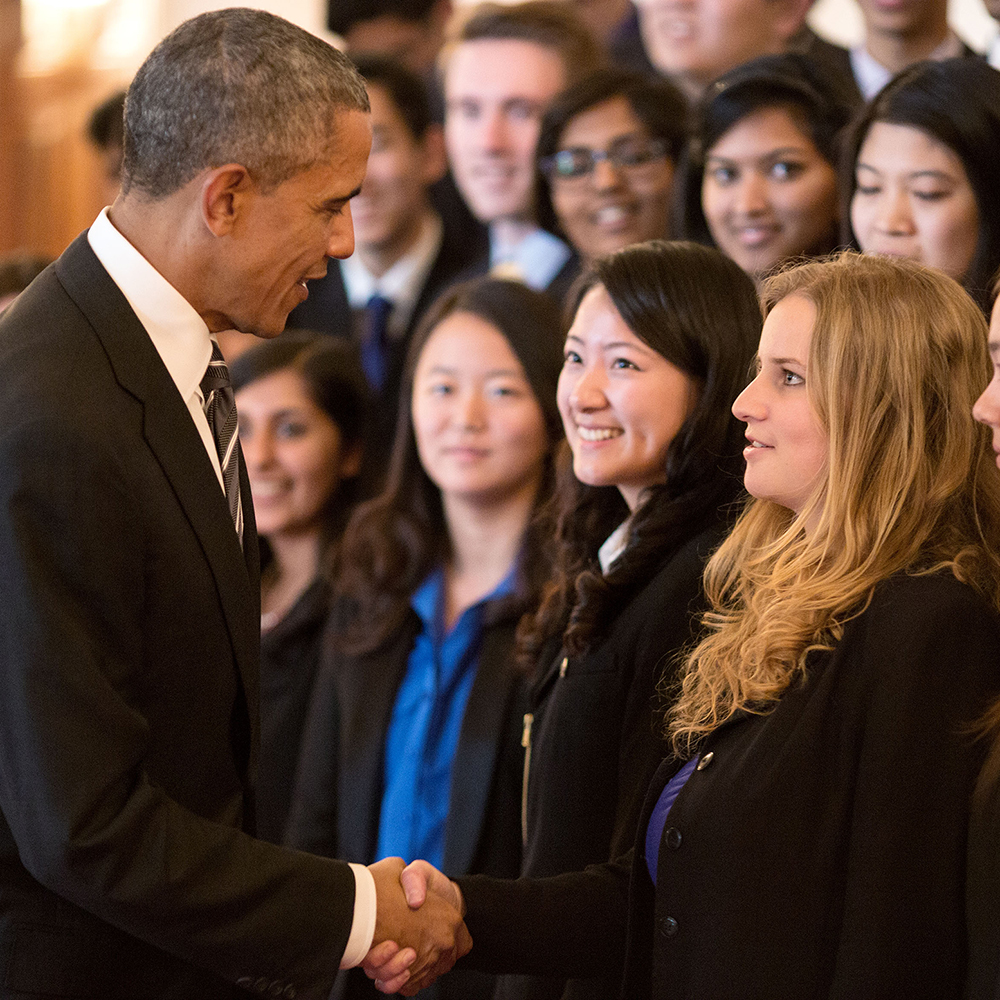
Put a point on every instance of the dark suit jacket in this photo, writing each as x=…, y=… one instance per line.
x=596, y=736
x=328, y=311
x=983, y=893
x=836, y=62
x=128, y=683
x=819, y=853
x=338, y=794
x=289, y=662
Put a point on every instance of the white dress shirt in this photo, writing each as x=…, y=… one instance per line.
x=535, y=260
x=402, y=283
x=184, y=344
x=993, y=52
x=871, y=76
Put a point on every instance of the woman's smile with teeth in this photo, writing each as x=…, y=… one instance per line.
x=598, y=433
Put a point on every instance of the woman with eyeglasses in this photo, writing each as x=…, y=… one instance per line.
x=606, y=153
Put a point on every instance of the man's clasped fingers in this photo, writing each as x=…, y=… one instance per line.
x=413, y=946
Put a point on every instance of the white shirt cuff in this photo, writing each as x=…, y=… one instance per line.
x=363, y=928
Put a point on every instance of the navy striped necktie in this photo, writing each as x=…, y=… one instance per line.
x=220, y=409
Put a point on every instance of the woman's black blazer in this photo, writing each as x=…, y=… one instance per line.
x=819, y=850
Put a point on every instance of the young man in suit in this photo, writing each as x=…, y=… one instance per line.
x=898, y=35
x=694, y=41
x=404, y=254
x=502, y=65
x=128, y=553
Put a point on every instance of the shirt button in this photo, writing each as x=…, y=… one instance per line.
x=261, y=985
x=276, y=989
x=668, y=927
x=290, y=993
x=673, y=838
x=705, y=761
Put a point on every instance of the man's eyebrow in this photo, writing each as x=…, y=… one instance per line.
x=331, y=202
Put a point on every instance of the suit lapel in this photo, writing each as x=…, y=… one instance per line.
x=367, y=690
x=177, y=446
x=478, y=747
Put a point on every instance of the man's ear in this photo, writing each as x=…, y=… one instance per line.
x=223, y=191
x=435, y=159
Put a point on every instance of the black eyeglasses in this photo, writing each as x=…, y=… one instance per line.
x=629, y=153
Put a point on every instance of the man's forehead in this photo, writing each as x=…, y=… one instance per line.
x=336, y=170
x=504, y=67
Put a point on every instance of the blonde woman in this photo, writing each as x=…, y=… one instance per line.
x=854, y=644
x=806, y=838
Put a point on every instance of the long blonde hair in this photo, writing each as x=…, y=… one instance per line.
x=897, y=357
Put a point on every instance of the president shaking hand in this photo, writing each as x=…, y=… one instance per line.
x=129, y=574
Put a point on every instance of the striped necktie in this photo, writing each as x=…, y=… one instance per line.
x=220, y=409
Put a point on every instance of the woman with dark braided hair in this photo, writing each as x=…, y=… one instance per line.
x=661, y=344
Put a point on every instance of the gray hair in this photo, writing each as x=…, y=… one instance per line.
x=234, y=86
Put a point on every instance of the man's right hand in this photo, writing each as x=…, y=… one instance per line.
x=433, y=927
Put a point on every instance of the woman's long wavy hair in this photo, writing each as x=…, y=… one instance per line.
x=696, y=308
x=897, y=358
x=393, y=541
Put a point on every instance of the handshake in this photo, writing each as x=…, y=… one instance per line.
x=419, y=930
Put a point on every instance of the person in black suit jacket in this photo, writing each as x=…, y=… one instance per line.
x=684, y=324
x=898, y=37
x=129, y=651
x=659, y=348
x=807, y=836
x=403, y=252
x=440, y=567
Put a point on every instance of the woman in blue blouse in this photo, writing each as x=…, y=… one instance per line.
x=412, y=747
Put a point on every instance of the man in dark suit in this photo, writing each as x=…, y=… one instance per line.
x=501, y=66
x=896, y=36
x=128, y=564
x=404, y=254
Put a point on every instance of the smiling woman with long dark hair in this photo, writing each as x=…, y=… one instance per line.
x=658, y=349
x=303, y=407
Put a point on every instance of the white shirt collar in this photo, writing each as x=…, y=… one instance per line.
x=535, y=260
x=403, y=282
x=993, y=52
x=178, y=333
x=614, y=545
x=872, y=76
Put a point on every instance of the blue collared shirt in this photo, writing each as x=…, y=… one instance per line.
x=422, y=739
